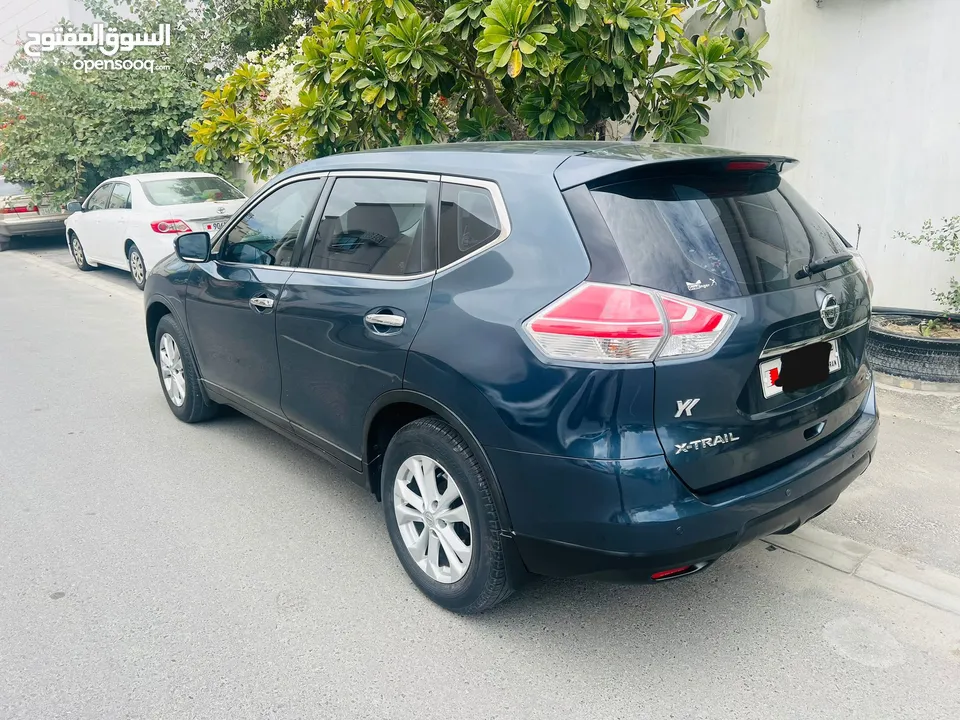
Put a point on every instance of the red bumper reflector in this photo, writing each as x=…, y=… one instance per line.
x=670, y=573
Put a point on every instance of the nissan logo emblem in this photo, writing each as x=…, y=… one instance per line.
x=829, y=311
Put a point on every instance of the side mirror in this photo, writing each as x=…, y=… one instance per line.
x=74, y=206
x=193, y=247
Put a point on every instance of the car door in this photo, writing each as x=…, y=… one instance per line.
x=349, y=312
x=87, y=225
x=231, y=299
x=113, y=225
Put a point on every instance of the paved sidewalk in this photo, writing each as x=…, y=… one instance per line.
x=908, y=501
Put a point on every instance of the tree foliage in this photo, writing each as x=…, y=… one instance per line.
x=371, y=73
x=64, y=130
x=944, y=238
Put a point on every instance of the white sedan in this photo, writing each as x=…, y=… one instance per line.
x=130, y=222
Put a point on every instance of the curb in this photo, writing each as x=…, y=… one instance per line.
x=892, y=382
x=915, y=580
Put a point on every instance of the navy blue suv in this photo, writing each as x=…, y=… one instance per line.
x=558, y=358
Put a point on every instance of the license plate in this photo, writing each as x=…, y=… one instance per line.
x=49, y=210
x=770, y=371
x=214, y=226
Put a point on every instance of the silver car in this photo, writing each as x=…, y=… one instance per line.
x=19, y=215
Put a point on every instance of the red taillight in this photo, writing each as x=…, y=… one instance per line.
x=170, y=226
x=747, y=165
x=619, y=323
x=670, y=573
x=19, y=209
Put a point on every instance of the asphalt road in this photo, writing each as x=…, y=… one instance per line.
x=150, y=569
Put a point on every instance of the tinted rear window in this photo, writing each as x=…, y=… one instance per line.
x=190, y=190
x=716, y=235
x=9, y=188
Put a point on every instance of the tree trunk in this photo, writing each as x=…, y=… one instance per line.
x=516, y=128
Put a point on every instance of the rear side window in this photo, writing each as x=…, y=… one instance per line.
x=716, y=235
x=468, y=221
x=188, y=190
x=120, y=199
x=372, y=226
x=9, y=188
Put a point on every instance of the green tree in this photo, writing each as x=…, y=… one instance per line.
x=944, y=238
x=380, y=72
x=63, y=130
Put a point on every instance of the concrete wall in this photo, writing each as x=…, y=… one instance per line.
x=866, y=93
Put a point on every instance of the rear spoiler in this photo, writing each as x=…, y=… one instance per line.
x=585, y=168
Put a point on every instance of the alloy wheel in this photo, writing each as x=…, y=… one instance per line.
x=171, y=370
x=77, y=249
x=136, y=267
x=433, y=519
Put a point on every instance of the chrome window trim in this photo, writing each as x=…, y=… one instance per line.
x=826, y=337
x=250, y=205
x=340, y=273
x=492, y=187
x=498, y=205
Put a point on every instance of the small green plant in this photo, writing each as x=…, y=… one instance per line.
x=929, y=327
x=944, y=238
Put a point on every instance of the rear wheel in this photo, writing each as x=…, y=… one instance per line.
x=79, y=257
x=4, y=242
x=138, y=270
x=442, y=519
x=178, y=374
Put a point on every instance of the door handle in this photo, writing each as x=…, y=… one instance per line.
x=393, y=321
x=261, y=302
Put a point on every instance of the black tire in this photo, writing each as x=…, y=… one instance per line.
x=76, y=250
x=138, y=273
x=194, y=408
x=4, y=243
x=487, y=580
x=917, y=358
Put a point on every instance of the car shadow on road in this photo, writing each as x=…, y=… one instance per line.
x=54, y=249
x=723, y=588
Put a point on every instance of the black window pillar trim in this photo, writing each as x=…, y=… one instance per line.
x=606, y=262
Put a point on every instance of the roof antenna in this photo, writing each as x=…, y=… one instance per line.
x=859, y=228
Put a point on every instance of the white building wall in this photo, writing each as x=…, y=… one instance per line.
x=866, y=94
x=18, y=17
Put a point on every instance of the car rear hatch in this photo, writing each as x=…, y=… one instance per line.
x=725, y=241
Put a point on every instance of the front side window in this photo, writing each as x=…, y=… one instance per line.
x=100, y=198
x=189, y=190
x=120, y=199
x=268, y=232
x=468, y=221
x=372, y=226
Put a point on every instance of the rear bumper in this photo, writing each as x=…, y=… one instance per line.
x=39, y=225
x=632, y=518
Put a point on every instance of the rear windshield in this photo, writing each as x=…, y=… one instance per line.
x=9, y=188
x=190, y=190
x=716, y=235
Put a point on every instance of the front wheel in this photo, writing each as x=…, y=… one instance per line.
x=442, y=519
x=178, y=374
x=76, y=249
x=138, y=269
